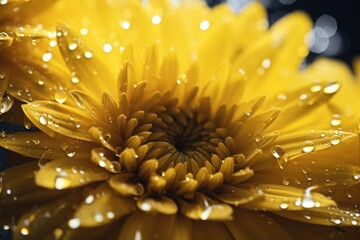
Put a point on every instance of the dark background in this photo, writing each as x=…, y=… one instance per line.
x=345, y=12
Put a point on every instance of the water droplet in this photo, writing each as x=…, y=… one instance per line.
x=62, y=183
x=354, y=222
x=125, y=25
x=107, y=48
x=60, y=96
x=336, y=120
x=73, y=46
x=156, y=19
x=356, y=176
x=307, y=201
x=46, y=57
x=266, y=63
x=70, y=152
x=286, y=181
x=309, y=147
x=98, y=217
x=84, y=31
x=6, y=104
x=43, y=119
x=336, y=140
x=78, y=125
x=336, y=221
x=146, y=207
x=284, y=206
x=204, y=25
x=277, y=151
x=110, y=215
x=24, y=231
x=316, y=88
x=332, y=88
x=88, y=54
x=74, y=223
x=75, y=80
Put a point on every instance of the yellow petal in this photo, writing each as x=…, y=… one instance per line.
x=89, y=72
x=17, y=186
x=53, y=118
x=33, y=144
x=279, y=197
x=161, y=204
x=66, y=173
x=125, y=185
x=204, y=208
x=43, y=220
x=330, y=216
x=237, y=196
x=147, y=226
x=103, y=206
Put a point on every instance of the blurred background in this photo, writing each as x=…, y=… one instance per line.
x=336, y=32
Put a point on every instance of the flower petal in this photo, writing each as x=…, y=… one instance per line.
x=142, y=225
x=236, y=196
x=53, y=118
x=89, y=73
x=103, y=206
x=17, y=186
x=43, y=220
x=279, y=197
x=246, y=225
x=293, y=145
x=33, y=144
x=329, y=216
x=125, y=185
x=161, y=204
x=69, y=173
x=205, y=208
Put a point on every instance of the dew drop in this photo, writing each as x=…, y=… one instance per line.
x=336, y=140
x=73, y=46
x=156, y=19
x=110, y=215
x=107, y=48
x=266, y=63
x=6, y=104
x=336, y=221
x=354, y=222
x=24, y=231
x=74, y=223
x=309, y=147
x=46, y=57
x=204, y=25
x=88, y=54
x=98, y=217
x=277, y=151
x=43, y=119
x=77, y=125
x=75, y=80
x=145, y=206
x=62, y=183
x=336, y=120
x=58, y=233
x=60, y=96
x=70, y=152
x=284, y=206
x=307, y=201
x=316, y=88
x=286, y=181
x=125, y=25
x=332, y=88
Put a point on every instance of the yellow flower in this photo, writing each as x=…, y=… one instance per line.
x=180, y=143
x=16, y=29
